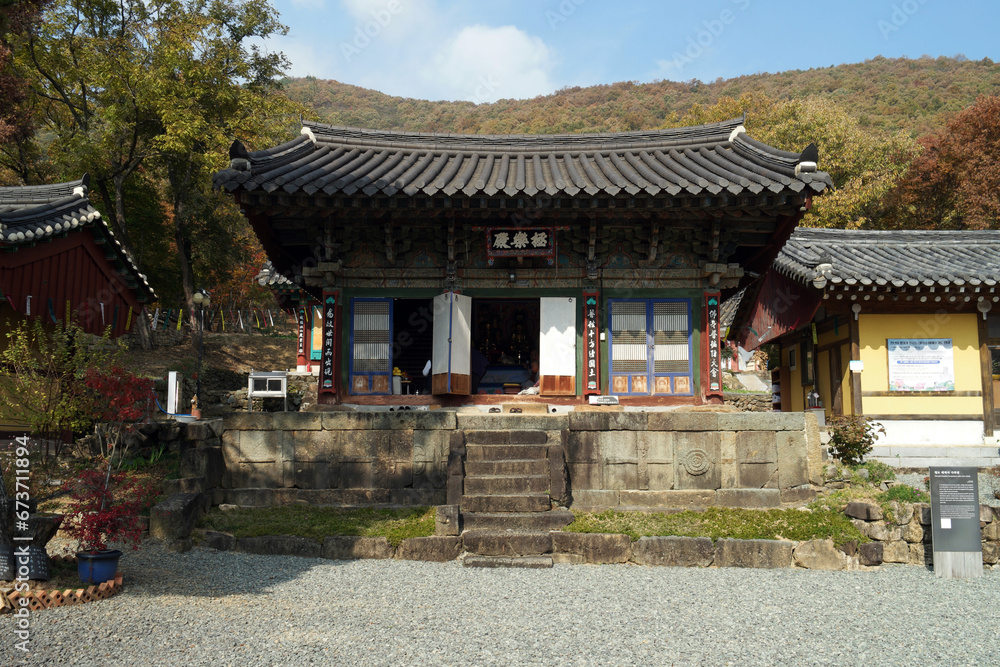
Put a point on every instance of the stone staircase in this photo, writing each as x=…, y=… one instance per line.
x=511, y=479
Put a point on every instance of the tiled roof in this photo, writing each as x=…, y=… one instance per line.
x=34, y=213
x=892, y=258
x=269, y=277
x=705, y=159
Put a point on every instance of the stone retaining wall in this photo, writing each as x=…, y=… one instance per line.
x=904, y=536
x=614, y=459
x=337, y=458
x=691, y=459
x=748, y=402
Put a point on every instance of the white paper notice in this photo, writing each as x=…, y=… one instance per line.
x=945, y=522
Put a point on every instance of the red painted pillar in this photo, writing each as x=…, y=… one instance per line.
x=300, y=363
x=712, y=352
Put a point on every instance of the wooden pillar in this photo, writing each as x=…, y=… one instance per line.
x=836, y=381
x=856, y=376
x=986, y=363
x=300, y=316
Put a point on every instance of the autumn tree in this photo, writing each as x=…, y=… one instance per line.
x=864, y=164
x=150, y=93
x=953, y=184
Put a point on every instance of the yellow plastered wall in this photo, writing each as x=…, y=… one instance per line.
x=962, y=328
x=792, y=396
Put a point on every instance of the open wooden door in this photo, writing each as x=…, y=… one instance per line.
x=557, y=346
x=450, y=360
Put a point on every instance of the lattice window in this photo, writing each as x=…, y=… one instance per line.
x=671, y=352
x=629, y=352
x=371, y=344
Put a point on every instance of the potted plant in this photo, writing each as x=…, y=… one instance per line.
x=105, y=510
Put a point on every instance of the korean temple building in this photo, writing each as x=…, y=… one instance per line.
x=603, y=257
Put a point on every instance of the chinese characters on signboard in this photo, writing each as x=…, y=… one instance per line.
x=921, y=364
x=520, y=242
x=301, y=312
x=713, y=354
x=591, y=380
x=328, y=347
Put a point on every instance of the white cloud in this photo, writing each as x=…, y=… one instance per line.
x=484, y=64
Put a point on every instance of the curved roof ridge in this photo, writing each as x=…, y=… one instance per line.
x=718, y=131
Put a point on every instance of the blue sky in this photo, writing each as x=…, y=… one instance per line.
x=487, y=50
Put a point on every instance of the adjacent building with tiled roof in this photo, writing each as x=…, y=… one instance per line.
x=419, y=246
x=58, y=258
x=900, y=326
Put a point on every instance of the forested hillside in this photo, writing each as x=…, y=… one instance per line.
x=916, y=96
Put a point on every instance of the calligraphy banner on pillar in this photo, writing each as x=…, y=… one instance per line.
x=713, y=353
x=300, y=314
x=591, y=345
x=328, y=355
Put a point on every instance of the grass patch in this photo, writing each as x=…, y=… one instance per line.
x=904, y=493
x=724, y=522
x=317, y=522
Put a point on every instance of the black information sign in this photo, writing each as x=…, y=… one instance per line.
x=592, y=380
x=329, y=327
x=955, y=509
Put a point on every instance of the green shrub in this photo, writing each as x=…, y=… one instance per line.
x=852, y=438
x=878, y=472
x=904, y=493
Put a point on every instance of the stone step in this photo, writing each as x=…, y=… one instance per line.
x=506, y=437
x=512, y=467
x=507, y=542
x=926, y=462
x=529, y=521
x=524, y=502
x=532, y=562
x=935, y=451
x=486, y=485
x=506, y=452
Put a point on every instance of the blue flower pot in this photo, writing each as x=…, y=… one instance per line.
x=96, y=567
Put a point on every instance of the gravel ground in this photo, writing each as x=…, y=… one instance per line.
x=214, y=608
x=987, y=484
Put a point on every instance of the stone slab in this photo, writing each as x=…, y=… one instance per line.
x=413, y=419
x=536, y=502
x=549, y=422
x=674, y=551
x=608, y=421
x=667, y=498
x=417, y=497
x=446, y=520
x=250, y=497
x=219, y=541
x=249, y=421
x=762, y=421
x=863, y=510
x=351, y=547
x=870, y=553
x=438, y=548
x=596, y=548
x=347, y=421
x=802, y=495
x=297, y=421
x=506, y=543
x=594, y=498
x=174, y=518
x=768, y=554
x=280, y=545
x=528, y=562
x=748, y=498
x=820, y=555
